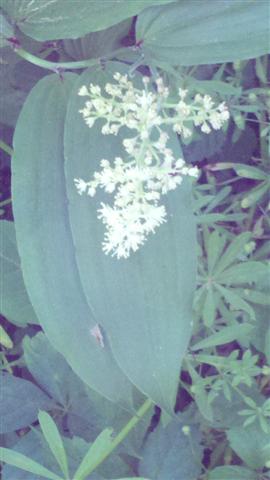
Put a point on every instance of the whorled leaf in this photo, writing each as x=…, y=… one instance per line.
x=32, y=446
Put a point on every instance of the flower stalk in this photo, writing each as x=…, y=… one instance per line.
x=59, y=66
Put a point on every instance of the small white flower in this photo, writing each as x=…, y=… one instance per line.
x=94, y=89
x=182, y=93
x=83, y=91
x=129, y=144
x=146, y=80
x=205, y=128
x=81, y=185
x=207, y=102
x=91, y=192
x=105, y=129
x=90, y=122
x=193, y=172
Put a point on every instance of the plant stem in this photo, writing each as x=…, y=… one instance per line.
x=123, y=433
x=55, y=66
x=6, y=148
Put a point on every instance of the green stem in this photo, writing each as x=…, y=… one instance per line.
x=123, y=433
x=40, y=62
x=6, y=148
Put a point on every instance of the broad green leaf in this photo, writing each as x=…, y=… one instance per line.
x=168, y=454
x=232, y=472
x=144, y=301
x=95, y=453
x=251, y=444
x=225, y=335
x=54, y=440
x=98, y=44
x=245, y=272
x=58, y=19
x=15, y=304
x=11, y=457
x=20, y=402
x=45, y=243
x=192, y=33
x=232, y=251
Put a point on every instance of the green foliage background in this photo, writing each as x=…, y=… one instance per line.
x=180, y=390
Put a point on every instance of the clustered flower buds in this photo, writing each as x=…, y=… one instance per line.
x=149, y=169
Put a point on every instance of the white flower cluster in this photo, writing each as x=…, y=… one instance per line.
x=201, y=113
x=124, y=105
x=136, y=211
x=150, y=168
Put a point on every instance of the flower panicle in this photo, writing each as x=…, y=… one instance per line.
x=150, y=168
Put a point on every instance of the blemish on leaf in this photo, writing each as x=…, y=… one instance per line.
x=96, y=332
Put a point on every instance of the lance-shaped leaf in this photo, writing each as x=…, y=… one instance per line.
x=192, y=33
x=144, y=301
x=54, y=440
x=20, y=461
x=45, y=243
x=251, y=444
